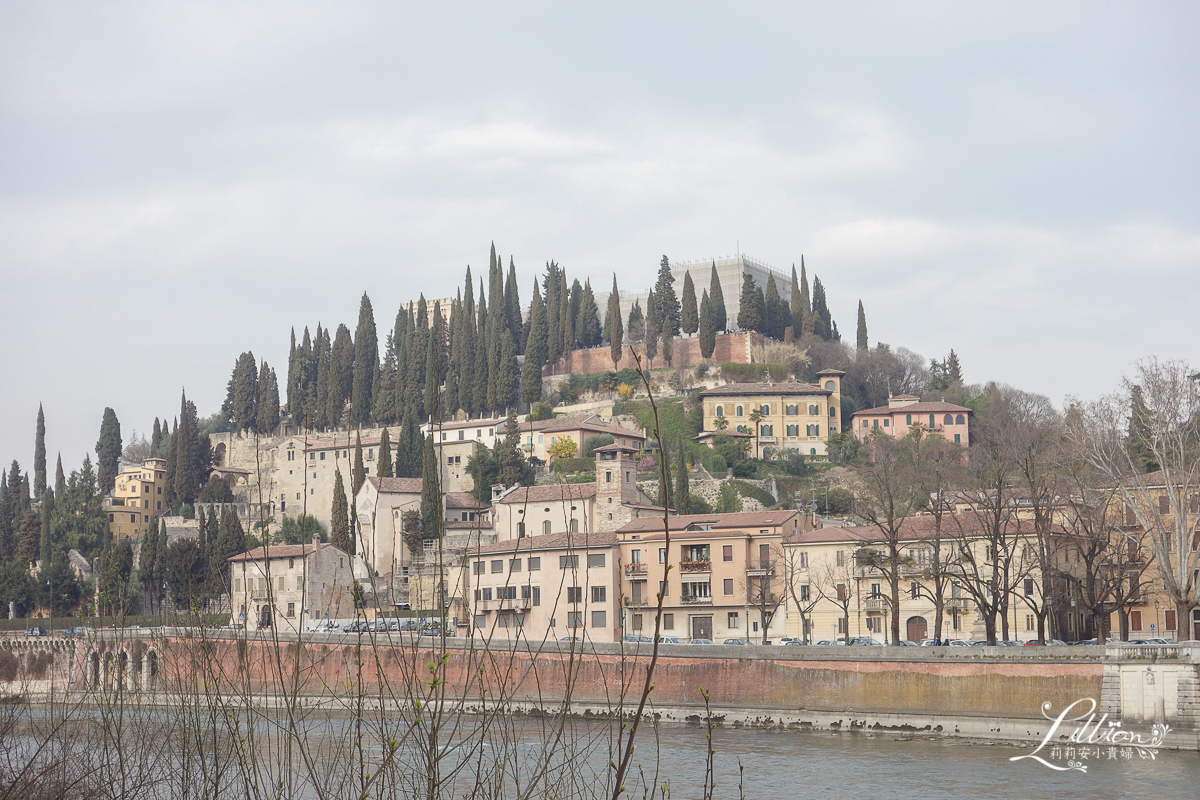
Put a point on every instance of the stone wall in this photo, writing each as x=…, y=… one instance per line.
x=735, y=347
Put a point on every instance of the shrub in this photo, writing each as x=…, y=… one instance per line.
x=567, y=466
x=592, y=442
x=540, y=411
x=699, y=505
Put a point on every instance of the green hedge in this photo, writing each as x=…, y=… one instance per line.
x=566, y=466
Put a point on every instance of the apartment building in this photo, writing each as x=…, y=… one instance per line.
x=906, y=412
x=798, y=416
x=136, y=499
x=285, y=585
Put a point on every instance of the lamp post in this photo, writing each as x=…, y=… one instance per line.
x=1156, y=606
x=50, y=604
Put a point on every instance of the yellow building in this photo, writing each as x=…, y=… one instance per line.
x=137, y=498
x=797, y=416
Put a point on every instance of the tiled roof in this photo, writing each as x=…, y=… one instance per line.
x=831, y=372
x=396, y=485
x=744, y=389
x=589, y=423
x=550, y=541
x=912, y=529
x=464, y=500
x=554, y=492
x=739, y=519
x=279, y=551
x=935, y=406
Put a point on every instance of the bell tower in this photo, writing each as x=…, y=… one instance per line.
x=616, y=485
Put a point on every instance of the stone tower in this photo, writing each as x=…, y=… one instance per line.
x=616, y=486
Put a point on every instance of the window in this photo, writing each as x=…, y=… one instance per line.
x=1135, y=620
x=804, y=561
x=739, y=412
x=535, y=563
x=477, y=568
x=312, y=456
x=568, y=562
x=766, y=430
x=792, y=430
x=574, y=594
x=841, y=558
x=514, y=565
x=664, y=588
x=322, y=455
x=506, y=593
x=831, y=386
x=608, y=476
x=815, y=430
x=485, y=594
x=841, y=592
x=805, y=595
x=574, y=619
x=546, y=528
x=662, y=555
x=960, y=420
x=1164, y=504
x=733, y=619
x=814, y=411
x=237, y=584
x=370, y=454
x=958, y=438
x=291, y=611
x=637, y=622
x=595, y=560
x=841, y=625
x=668, y=621
x=792, y=410
x=299, y=583
x=696, y=590
x=1029, y=587
x=887, y=422
x=908, y=419
x=133, y=517
x=728, y=586
x=635, y=556
x=1030, y=622
x=1169, y=620
x=874, y=424
x=574, y=526
x=914, y=590
x=520, y=530
x=932, y=424
x=498, y=565
x=599, y=594
x=720, y=411
x=600, y=619
x=948, y=419
x=727, y=552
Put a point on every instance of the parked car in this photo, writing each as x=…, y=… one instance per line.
x=78, y=630
x=864, y=641
x=958, y=643
x=36, y=630
x=794, y=643
x=1159, y=640
x=636, y=639
x=1049, y=642
x=830, y=643
x=701, y=641
x=907, y=643
x=670, y=640
x=570, y=639
x=735, y=641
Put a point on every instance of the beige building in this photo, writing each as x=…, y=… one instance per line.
x=797, y=416
x=547, y=587
x=137, y=498
x=536, y=437
x=906, y=412
x=726, y=578
x=286, y=585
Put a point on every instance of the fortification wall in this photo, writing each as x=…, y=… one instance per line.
x=734, y=347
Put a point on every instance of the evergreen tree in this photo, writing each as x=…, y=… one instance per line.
x=512, y=302
x=409, y=447
x=554, y=337
x=862, y=328
x=954, y=369
x=775, y=312
x=48, y=544
x=637, y=324
x=155, y=439
x=717, y=298
x=708, y=327
x=241, y=396
x=192, y=459
x=824, y=328
x=401, y=336
x=366, y=362
x=565, y=320
x=295, y=369
x=653, y=326
x=108, y=451
x=535, y=351
x=29, y=537
x=616, y=331
x=383, y=392
x=435, y=367
x=341, y=376
x=576, y=302
x=60, y=479
x=801, y=302
x=668, y=346
x=147, y=554
x=689, y=320
x=268, y=401
x=431, y=497
x=384, y=469
x=229, y=541
x=751, y=312
x=359, y=474
x=587, y=326
x=169, y=498
x=508, y=378
x=667, y=301
x=513, y=468
x=339, y=517
x=39, y=455
x=665, y=492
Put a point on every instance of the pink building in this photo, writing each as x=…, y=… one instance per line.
x=904, y=412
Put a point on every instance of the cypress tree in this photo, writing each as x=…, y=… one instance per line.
x=507, y=380
x=637, y=324
x=47, y=540
x=341, y=376
x=775, y=312
x=268, y=401
x=385, y=455
x=800, y=299
x=60, y=478
x=339, y=516
x=862, y=328
x=169, y=498
x=683, y=498
x=359, y=474
x=39, y=455
x=535, y=351
x=241, y=397
x=665, y=492
x=512, y=302
x=434, y=363
x=587, y=326
x=653, y=326
x=667, y=301
x=824, y=325
x=366, y=361
x=409, y=447
x=717, y=298
x=431, y=505
x=383, y=391
x=668, y=346
x=708, y=328
x=750, y=314
x=400, y=390
x=108, y=451
x=566, y=321
x=575, y=304
x=191, y=460
x=689, y=320
x=616, y=332
x=550, y=289
x=145, y=560
x=295, y=369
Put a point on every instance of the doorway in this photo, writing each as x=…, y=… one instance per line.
x=918, y=628
x=701, y=627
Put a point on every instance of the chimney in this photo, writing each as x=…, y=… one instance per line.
x=316, y=542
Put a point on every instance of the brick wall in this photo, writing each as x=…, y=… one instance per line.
x=733, y=347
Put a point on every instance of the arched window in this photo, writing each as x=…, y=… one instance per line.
x=720, y=411
x=832, y=411
x=739, y=411
x=831, y=386
x=546, y=528
x=814, y=411
x=948, y=419
x=908, y=419
x=791, y=410
x=960, y=420
x=765, y=409
x=812, y=451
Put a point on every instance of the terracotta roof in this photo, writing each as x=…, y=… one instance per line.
x=912, y=529
x=590, y=423
x=935, y=406
x=550, y=541
x=467, y=525
x=740, y=519
x=831, y=372
x=279, y=551
x=615, y=448
x=470, y=423
x=553, y=492
x=742, y=389
x=734, y=434
x=464, y=500
x=396, y=485
x=338, y=444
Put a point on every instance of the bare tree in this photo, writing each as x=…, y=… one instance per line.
x=1152, y=421
x=765, y=583
x=837, y=582
x=799, y=582
x=941, y=475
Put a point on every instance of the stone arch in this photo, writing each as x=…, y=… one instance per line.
x=917, y=629
x=91, y=671
x=134, y=681
x=121, y=679
x=219, y=455
x=150, y=669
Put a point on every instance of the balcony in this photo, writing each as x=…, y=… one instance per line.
x=875, y=604
x=767, y=439
x=958, y=602
x=695, y=566
x=638, y=570
x=503, y=605
x=760, y=570
x=696, y=600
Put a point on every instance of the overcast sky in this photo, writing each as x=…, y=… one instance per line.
x=183, y=182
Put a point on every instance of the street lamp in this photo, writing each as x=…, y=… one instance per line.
x=1156, y=615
